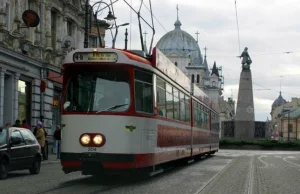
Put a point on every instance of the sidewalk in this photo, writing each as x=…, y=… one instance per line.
x=52, y=159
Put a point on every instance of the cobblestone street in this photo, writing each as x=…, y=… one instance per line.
x=229, y=171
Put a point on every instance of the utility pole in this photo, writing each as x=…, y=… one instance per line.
x=86, y=27
x=289, y=125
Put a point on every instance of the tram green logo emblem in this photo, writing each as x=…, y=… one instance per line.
x=130, y=128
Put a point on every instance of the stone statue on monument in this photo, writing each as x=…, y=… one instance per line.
x=246, y=61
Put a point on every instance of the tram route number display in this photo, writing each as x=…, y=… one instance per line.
x=95, y=57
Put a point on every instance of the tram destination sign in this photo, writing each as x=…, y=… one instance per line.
x=95, y=57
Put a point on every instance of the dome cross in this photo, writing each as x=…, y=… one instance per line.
x=197, y=33
x=177, y=11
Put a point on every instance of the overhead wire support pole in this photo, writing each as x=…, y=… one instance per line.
x=153, y=29
x=139, y=19
x=237, y=24
x=140, y=26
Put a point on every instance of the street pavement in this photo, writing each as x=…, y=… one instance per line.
x=228, y=172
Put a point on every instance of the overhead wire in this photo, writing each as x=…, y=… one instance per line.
x=237, y=25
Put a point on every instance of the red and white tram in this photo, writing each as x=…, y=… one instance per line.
x=123, y=111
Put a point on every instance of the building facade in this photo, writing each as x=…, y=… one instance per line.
x=31, y=58
x=286, y=118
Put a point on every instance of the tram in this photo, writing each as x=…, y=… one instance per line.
x=124, y=111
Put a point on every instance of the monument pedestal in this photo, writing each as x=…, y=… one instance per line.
x=244, y=120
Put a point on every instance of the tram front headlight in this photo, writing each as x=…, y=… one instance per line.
x=85, y=139
x=98, y=139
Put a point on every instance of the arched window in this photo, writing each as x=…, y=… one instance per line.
x=176, y=64
x=198, y=78
x=193, y=78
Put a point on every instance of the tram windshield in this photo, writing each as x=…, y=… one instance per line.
x=105, y=89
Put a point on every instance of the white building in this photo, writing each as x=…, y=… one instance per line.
x=29, y=55
x=183, y=50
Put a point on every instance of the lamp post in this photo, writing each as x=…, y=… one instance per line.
x=115, y=37
x=109, y=17
x=289, y=125
x=86, y=26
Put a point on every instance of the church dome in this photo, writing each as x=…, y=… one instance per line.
x=182, y=43
x=278, y=102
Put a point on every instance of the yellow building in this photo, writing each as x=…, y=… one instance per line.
x=286, y=115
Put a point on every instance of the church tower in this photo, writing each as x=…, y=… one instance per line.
x=183, y=50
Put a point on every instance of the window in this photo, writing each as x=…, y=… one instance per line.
x=3, y=137
x=53, y=29
x=193, y=78
x=182, y=107
x=214, y=84
x=170, y=105
x=69, y=28
x=24, y=101
x=176, y=64
x=176, y=104
x=198, y=78
x=161, y=96
x=100, y=89
x=171, y=102
x=143, y=91
x=17, y=136
x=197, y=114
x=93, y=41
x=290, y=127
x=187, y=108
x=28, y=137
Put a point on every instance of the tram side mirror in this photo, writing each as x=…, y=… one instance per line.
x=67, y=104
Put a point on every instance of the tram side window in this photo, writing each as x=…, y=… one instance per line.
x=143, y=91
x=161, y=97
x=202, y=118
x=182, y=106
x=187, y=108
x=170, y=107
x=176, y=104
x=195, y=112
x=205, y=118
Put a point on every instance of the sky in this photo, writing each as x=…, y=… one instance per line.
x=269, y=28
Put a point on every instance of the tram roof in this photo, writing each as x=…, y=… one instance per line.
x=159, y=61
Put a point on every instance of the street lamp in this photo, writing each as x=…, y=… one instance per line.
x=109, y=17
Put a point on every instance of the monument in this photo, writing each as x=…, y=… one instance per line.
x=244, y=120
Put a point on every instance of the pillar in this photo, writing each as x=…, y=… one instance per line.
x=17, y=18
x=2, y=76
x=48, y=27
x=16, y=96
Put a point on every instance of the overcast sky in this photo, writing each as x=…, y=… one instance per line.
x=267, y=27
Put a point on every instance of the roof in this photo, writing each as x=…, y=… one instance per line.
x=215, y=70
x=278, y=102
x=293, y=113
x=182, y=43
